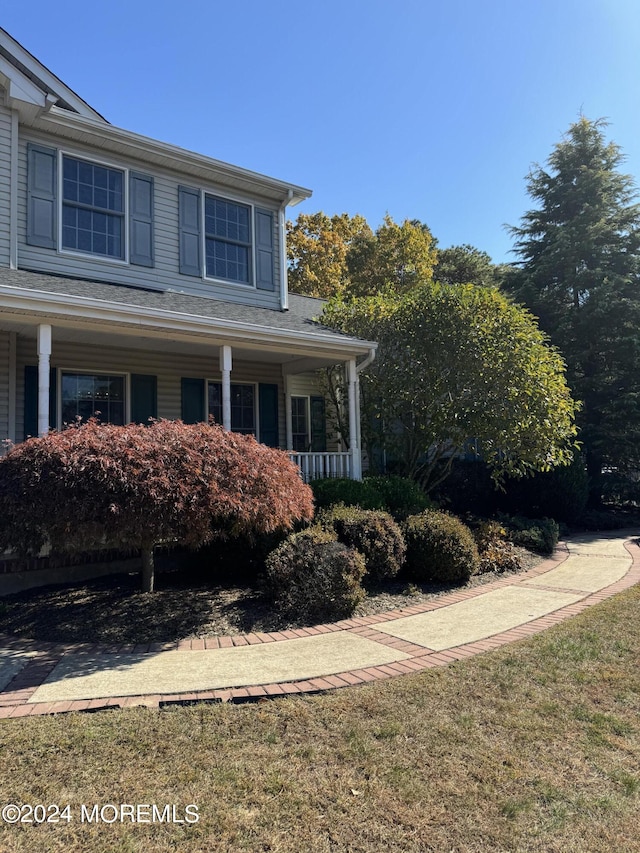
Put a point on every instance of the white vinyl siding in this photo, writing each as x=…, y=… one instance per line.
x=165, y=272
x=169, y=368
x=5, y=182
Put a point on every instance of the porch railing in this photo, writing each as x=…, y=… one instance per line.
x=315, y=466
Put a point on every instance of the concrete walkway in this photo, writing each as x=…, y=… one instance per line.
x=45, y=679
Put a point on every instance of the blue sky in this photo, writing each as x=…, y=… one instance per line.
x=422, y=109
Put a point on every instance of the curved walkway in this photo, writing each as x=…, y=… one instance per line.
x=36, y=678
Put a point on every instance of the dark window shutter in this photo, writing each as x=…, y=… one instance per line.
x=141, y=219
x=193, y=401
x=189, y=225
x=144, y=398
x=268, y=409
x=31, y=400
x=41, y=196
x=265, y=278
x=318, y=425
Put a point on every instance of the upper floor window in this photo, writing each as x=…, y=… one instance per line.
x=93, y=213
x=227, y=239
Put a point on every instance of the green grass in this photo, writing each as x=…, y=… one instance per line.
x=534, y=747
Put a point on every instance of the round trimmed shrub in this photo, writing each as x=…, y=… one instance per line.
x=371, y=532
x=440, y=548
x=312, y=576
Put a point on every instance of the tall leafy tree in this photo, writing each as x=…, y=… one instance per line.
x=454, y=363
x=317, y=247
x=579, y=251
x=467, y=265
x=342, y=256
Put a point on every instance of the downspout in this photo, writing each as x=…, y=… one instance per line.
x=359, y=368
x=284, y=291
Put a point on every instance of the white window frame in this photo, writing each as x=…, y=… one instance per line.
x=88, y=372
x=256, y=402
x=76, y=253
x=307, y=399
x=252, y=250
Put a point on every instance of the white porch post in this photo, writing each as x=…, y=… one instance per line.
x=354, y=409
x=44, y=360
x=225, y=369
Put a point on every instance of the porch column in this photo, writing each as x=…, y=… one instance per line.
x=354, y=409
x=225, y=370
x=44, y=359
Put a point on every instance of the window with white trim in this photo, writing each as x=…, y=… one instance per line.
x=243, y=406
x=93, y=208
x=228, y=240
x=88, y=395
x=300, y=424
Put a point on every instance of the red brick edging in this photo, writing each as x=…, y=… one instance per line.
x=14, y=700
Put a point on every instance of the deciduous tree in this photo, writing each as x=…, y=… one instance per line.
x=96, y=485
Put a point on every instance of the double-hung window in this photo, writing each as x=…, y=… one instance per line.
x=228, y=240
x=300, y=424
x=88, y=395
x=243, y=406
x=93, y=208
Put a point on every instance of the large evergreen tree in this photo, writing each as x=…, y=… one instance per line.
x=580, y=274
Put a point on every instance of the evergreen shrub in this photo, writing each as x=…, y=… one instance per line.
x=313, y=577
x=440, y=548
x=371, y=532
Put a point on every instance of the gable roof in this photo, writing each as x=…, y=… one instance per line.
x=17, y=64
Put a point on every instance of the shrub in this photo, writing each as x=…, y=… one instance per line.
x=496, y=553
x=535, y=534
x=339, y=490
x=98, y=485
x=560, y=494
x=440, y=548
x=312, y=576
x=401, y=496
x=371, y=532
x=468, y=488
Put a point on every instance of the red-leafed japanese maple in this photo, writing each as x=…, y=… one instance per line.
x=96, y=485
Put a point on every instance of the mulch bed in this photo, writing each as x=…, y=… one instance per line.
x=186, y=604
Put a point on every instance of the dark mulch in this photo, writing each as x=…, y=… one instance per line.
x=186, y=603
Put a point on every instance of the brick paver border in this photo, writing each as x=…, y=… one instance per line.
x=14, y=700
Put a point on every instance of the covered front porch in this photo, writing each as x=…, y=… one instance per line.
x=60, y=362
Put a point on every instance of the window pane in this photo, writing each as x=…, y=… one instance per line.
x=87, y=395
x=94, y=188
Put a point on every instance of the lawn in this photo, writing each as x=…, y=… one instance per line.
x=534, y=747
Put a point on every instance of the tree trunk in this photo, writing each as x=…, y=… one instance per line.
x=147, y=569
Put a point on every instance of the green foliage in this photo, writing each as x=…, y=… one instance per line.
x=440, y=548
x=466, y=265
x=535, y=534
x=339, y=490
x=560, y=494
x=456, y=362
x=580, y=256
x=98, y=485
x=373, y=533
x=313, y=577
x=468, y=488
x=402, y=497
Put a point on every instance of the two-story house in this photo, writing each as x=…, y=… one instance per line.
x=140, y=280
